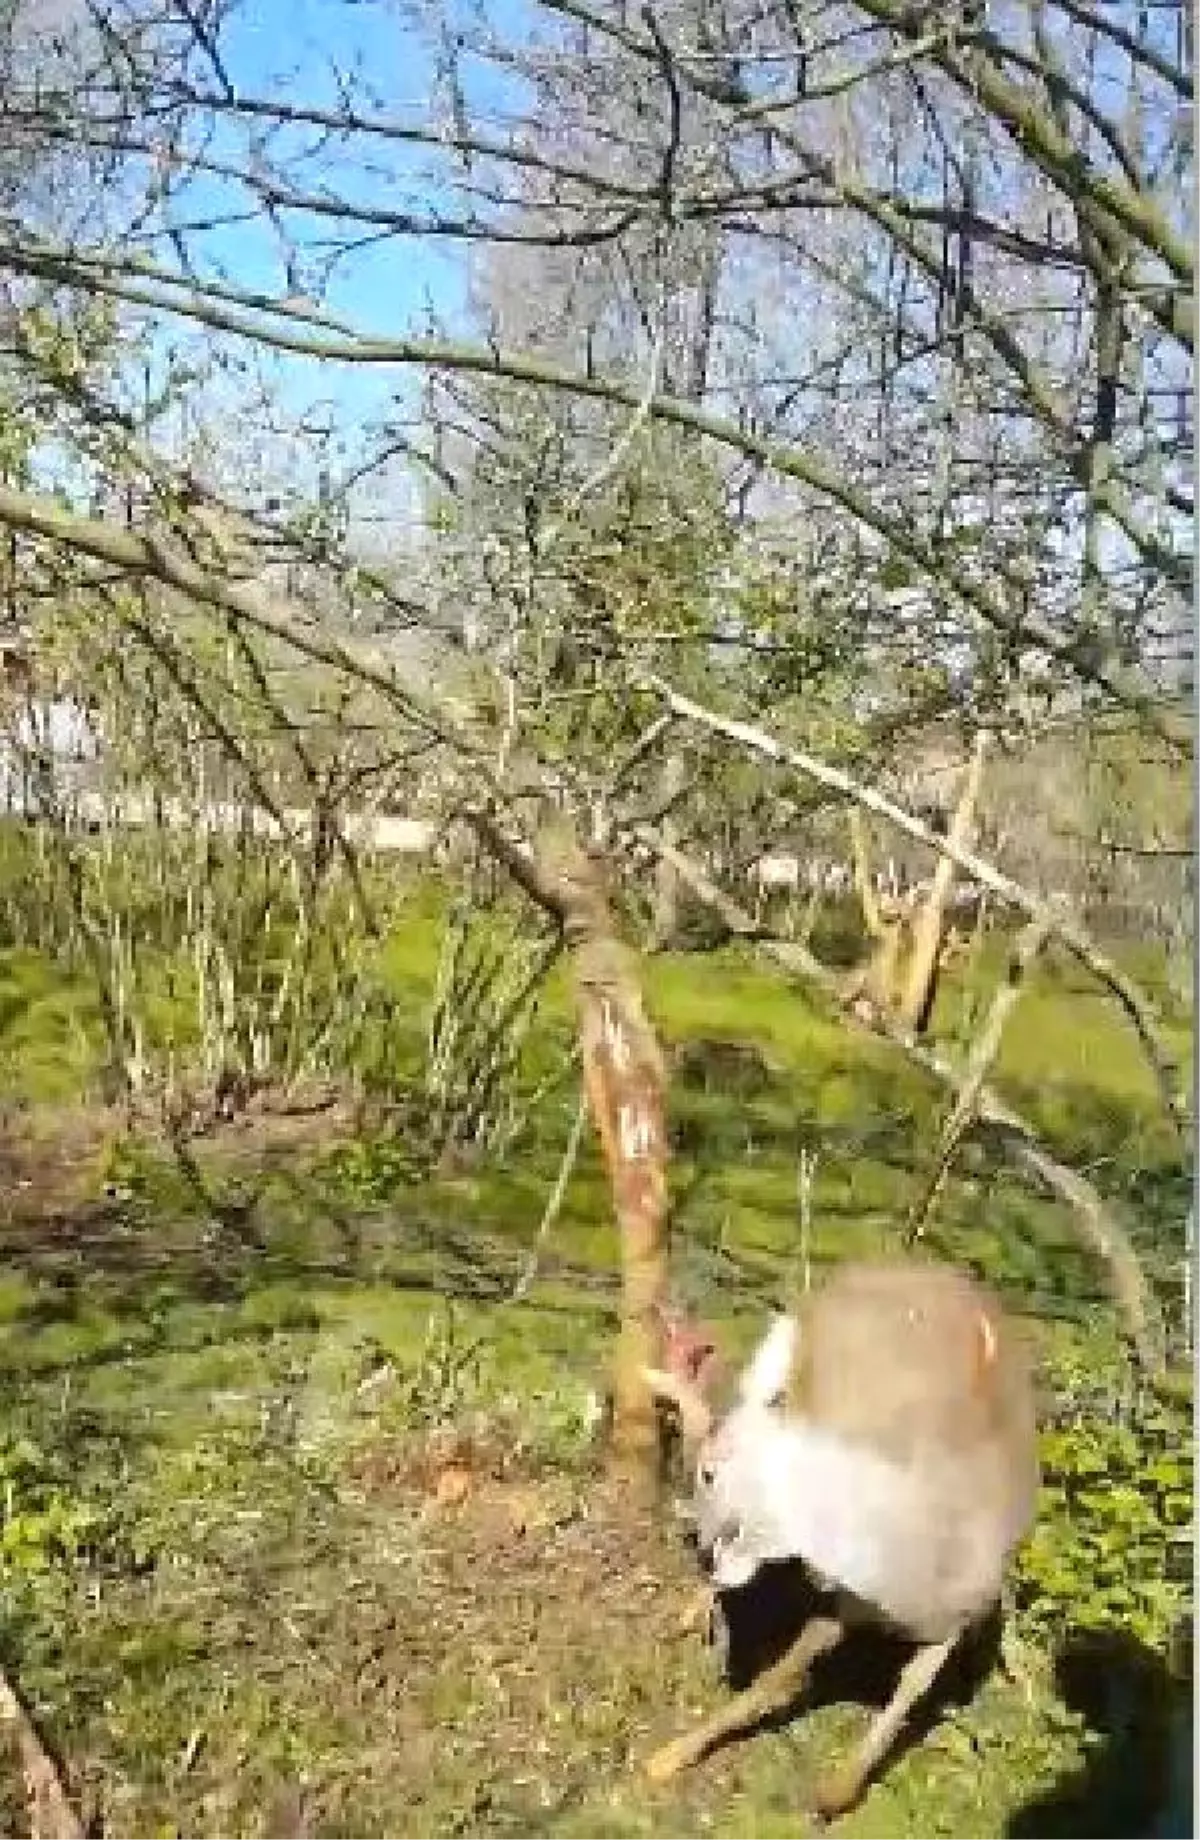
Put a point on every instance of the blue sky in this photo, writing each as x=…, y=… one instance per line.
x=285, y=49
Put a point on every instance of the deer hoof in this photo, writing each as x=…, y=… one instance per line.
x=670, y=1761
x=836, y=1793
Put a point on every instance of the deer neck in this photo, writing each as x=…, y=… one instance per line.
x=807, y=1494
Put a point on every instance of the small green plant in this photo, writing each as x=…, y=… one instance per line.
x=42, y=1523
x=441, y=1379
x=371, y=1171
x=1112, y=1547
x=561, y=1425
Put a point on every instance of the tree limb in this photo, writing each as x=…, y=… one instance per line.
x=980, y=1061
x=1059, y=924
x=1098, y=1229
x=1107, y=202
x=275, y=324
x=916, y=998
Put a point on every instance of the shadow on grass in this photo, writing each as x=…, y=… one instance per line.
x=764, y=1619
x=223, y=1222
x=1122, y=1138
x=123, y=1280
x=215, y=1236
x=881, y=1117
x=1139, y=1778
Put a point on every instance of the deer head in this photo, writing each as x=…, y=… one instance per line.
x=734, y=1458
x=690, y=1353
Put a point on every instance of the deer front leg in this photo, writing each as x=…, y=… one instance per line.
x=840, y=1789
x=703, y=1612
x=774, y=1689
x=698, y=1611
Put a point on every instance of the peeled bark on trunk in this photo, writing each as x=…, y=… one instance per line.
x=929, y=924
x=51, y=1815
x=625, y=1080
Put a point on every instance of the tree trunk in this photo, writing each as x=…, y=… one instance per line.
x=664, y=919
x=625, y=1080
x=929, y=924
x=864, y=887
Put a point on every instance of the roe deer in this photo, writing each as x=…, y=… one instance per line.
x=885, y=1435
x=689, y=1355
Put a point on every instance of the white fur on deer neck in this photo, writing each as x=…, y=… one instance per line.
x=771, y=1485
x=783, y=1489
x=764, y=1379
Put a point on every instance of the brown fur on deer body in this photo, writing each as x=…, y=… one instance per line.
x=886, y=1433
x=918, y=1363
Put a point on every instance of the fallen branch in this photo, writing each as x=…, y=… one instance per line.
x=979, y=1064
x=1059, y=924
x=51, y=1816
x=1099, y=1231
x=929, y=924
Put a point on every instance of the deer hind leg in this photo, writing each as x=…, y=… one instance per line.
x=775, y=1688
x=841, y=1788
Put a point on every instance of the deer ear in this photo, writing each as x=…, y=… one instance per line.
x=764, y=1379
x=701, y=1363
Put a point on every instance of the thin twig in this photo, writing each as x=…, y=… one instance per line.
x=805, y=1176
x=620, y=447
x=554, y=1201
x=979, y=1065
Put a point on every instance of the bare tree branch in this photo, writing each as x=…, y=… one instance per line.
x=282, y=331
x=1102, y=1234
x=1058, y=924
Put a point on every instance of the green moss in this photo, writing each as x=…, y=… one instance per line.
x=17, y=1295
x=230, y=1382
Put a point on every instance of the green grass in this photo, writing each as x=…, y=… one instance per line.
x=49, y=1030
x=234, y=1601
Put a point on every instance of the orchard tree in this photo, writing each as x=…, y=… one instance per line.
x=836, y=378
